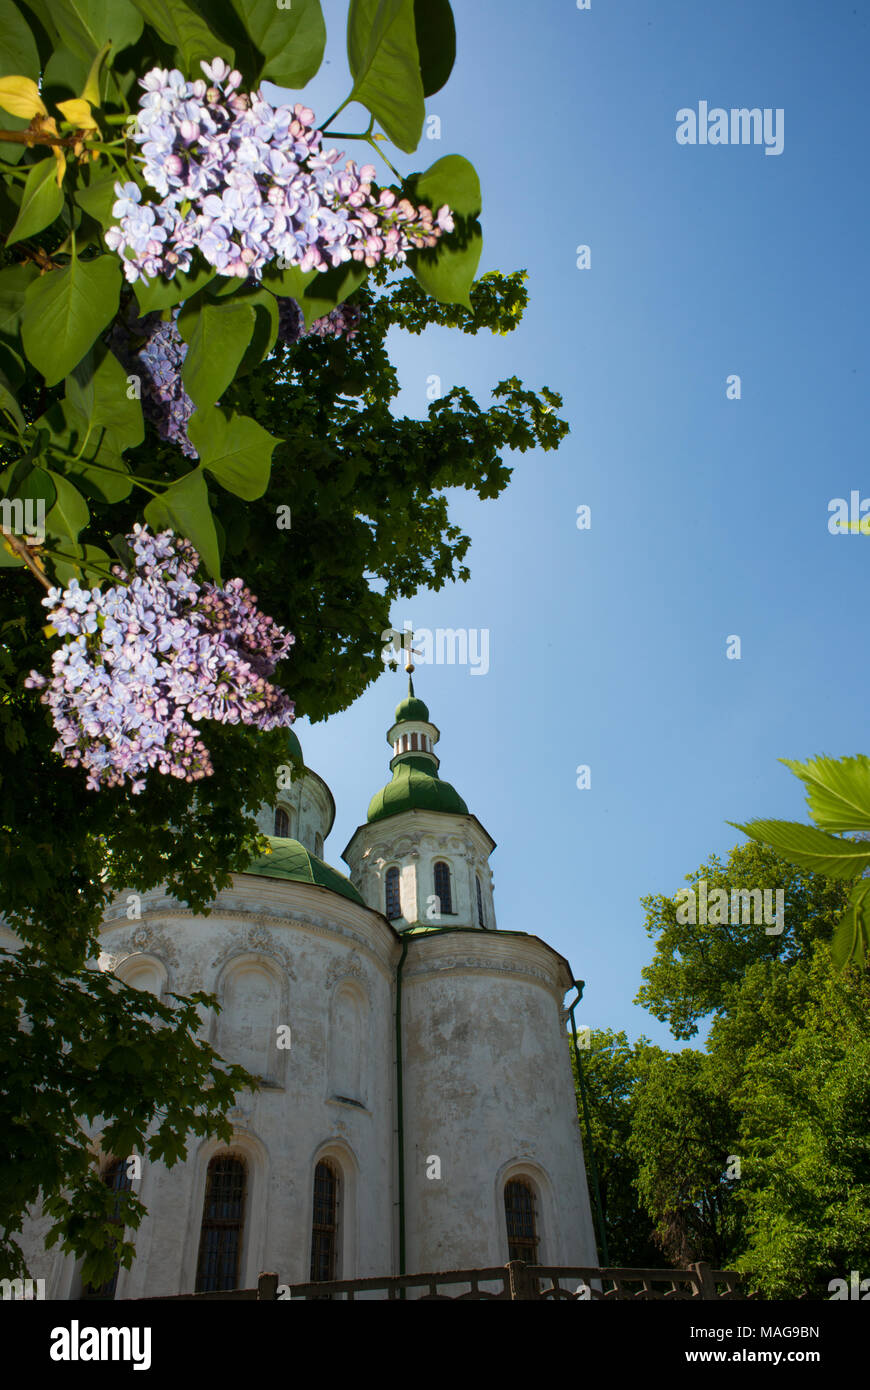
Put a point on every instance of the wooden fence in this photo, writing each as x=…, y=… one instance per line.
x=513, y=1281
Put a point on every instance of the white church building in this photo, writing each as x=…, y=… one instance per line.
x=416, y=1110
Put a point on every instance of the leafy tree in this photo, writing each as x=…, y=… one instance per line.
x=696, y=963
x=804, y=1132
x=683, y=1132
x=612, y=1068
x=306, y=425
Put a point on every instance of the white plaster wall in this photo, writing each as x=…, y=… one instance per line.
x=316, y=943
x=414, y=841
x=488, y=1090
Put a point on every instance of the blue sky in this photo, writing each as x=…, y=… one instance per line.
x=709, y=516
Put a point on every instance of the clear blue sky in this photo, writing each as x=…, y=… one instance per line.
x=709, y=516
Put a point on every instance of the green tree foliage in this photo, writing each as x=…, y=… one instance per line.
x=804, y=1099
x=612, y=1068
x=782, y=1086
x=683, y=1131
x=696, y=965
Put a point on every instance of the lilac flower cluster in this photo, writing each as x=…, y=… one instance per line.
x=341, y=322
x=157, y=362
x=148, y=658
x=245, y=182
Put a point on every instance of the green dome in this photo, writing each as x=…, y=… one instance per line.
x=415, y=788
x=411, y=708
x=290, y=860
x=294, y=747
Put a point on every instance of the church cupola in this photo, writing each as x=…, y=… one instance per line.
x=413, y=733
x=421, y=858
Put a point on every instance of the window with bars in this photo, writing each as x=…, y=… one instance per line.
x=282, y=824
x=116, y=1179
x=394, y=903
x=519, y=1207
x=442, y=887
x=223, y=1224
x=324, y=1225
x=480, y=920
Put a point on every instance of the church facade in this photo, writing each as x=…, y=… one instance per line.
x=416, y=1109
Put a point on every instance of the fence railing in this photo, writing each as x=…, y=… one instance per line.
x=513, y=1281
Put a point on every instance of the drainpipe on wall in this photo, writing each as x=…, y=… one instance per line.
x=590, y=1147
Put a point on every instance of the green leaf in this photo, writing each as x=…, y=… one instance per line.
x=436, y=42
x=97, y=464
x=447, y=271
x=330, y=288
x=18, y=52
x=385, y=65
x=838, y=791
x=98, y=199
x=9, y=403
x=850, y=943
x=235, y=449
x=217, y=345
x=86, y=563
x=165, y=294
x=810, y=848
x=14, y=283
x=290, y=283
x=70, y=512
x=41, y=201
x=183, y=28
x=184, y=509
x=291, y=39
x=65, y=75
x=98, y=388
x=39, y=486
x=65, y=310
x=265, y=307
x=86, y=25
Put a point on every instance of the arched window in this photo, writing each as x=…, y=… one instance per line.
x=223, y=1224
x=324, y=1225
x=318, y=845
x=442, y=887
x=116, y=1179
x=480, y=920
x=519, y=1208
x=394, y=904
x=282, y=824
x=414, y=743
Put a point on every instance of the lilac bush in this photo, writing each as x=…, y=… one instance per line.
x=149, y=658
x=246, y=182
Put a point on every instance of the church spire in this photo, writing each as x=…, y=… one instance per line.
x=412, y=735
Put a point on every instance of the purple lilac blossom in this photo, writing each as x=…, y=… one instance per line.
x=341, y=322
x=148, y=658
x=246, y=182
x=154, y=350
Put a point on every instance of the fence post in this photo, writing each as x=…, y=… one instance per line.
x=522, y=1286
x=706, y=1281
x=267, y=1287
